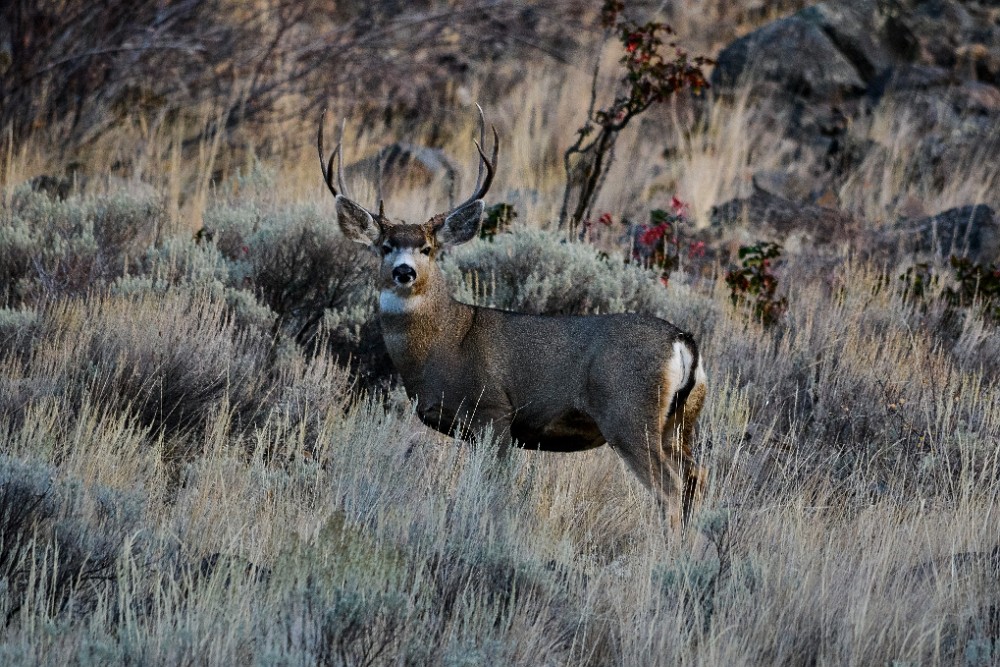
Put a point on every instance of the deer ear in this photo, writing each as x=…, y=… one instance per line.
x=460, y=225
x=357, y=223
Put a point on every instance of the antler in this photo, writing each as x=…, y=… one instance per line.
x=326, y=166
x=490, y=165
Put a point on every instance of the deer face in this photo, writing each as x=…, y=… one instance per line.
x=407, y=251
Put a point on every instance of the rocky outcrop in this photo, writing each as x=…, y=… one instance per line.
x=864, y=88
x=797, y=226
x=795, y=57
x=966, y=231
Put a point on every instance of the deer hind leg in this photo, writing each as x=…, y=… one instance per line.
x=642, y=451
x=678, y=436
x=657, y=450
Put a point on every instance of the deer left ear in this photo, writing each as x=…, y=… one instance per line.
x=461, y=224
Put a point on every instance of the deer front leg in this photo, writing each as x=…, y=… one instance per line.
x=499, y=420
x=468, y=422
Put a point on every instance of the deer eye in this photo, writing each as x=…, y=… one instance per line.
x=426, y=250
x=386, y=249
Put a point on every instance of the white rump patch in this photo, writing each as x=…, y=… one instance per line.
x=391, y=303
x=679, y=369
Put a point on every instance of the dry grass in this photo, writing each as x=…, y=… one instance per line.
x=179, y=483
x=347, y=533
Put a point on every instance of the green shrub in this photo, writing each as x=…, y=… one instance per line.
x=977, y=284
x=755, y=284
x=497, y=218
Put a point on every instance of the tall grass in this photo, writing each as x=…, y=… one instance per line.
x=180, y=485
x=184, y=478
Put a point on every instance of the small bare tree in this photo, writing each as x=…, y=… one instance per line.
x=649, y=78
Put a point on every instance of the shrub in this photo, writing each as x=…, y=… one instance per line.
x=498, y=218
x=972, y=285
x=755, y=283
x=650, y=78
x=293, y=261
x=658, y=244
x=59, y=540
x=69, y=247
x=536, y=271
x=169, y=361
x=978, y=284
x=18, y=329
x=303, y=270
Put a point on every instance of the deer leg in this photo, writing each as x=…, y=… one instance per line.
x=500, y=421
x=677, y=438
x=643, y=454
x=648, y=465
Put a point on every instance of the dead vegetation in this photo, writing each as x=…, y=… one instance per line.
x=204, y=458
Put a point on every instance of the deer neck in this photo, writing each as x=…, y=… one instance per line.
x=418, y=325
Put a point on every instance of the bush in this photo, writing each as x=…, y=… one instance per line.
x=169, y=361
x=69, y=247
x=978, y=284
x=535, y=271
x=755, y=284
x=59, y=540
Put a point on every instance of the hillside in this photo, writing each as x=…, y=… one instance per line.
x=206, y=456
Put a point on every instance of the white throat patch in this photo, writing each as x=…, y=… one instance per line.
x=393, y=304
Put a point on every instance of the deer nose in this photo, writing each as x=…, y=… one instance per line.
x=403, y=274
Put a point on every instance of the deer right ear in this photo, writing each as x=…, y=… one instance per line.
x=357, y=223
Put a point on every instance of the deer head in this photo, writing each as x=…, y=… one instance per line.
x=407, y=250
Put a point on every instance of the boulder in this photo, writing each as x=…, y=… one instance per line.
x=797, y=226
x=856, y=30
x=794, y=53
x=905, y=90
x=967, y=231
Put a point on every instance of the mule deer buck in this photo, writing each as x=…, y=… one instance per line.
x=554, y=383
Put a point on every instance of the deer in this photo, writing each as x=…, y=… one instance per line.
x=564, y=383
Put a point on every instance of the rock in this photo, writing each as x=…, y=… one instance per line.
x=967, y=231
x=797, y=226
x=784, y=183
x=854, y=29
x=794, y=53
x=909, y=77
x=983, y=59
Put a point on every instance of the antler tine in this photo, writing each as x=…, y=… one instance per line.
x=340, y=159
x=490, y=166
x=326, y=167
x=482, y=140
